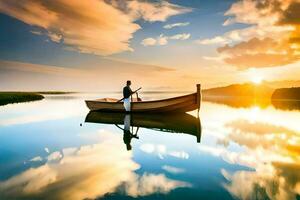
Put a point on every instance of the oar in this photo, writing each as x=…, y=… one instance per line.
x=131, y=94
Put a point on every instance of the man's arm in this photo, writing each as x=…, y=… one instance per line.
x=130, y=91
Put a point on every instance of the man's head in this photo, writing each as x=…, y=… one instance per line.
x=128, y=83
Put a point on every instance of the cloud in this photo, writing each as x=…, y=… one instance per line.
x=269, y=22
x=55, y=37
x=215, y=40
x=259, y=53
x=163, y=40
x=170, y=26
x=149, y=42
x=96, y=26
x=291, y=15
x=183, y=36
x=155, y=11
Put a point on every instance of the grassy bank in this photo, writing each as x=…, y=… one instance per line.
x=18, y=97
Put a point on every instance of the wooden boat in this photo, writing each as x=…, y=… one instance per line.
x=181, y=104
x=174, y=123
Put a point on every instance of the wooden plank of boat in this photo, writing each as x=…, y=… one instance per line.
x=174, y=123
x=184, y=103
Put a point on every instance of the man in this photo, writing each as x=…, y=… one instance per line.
x=127, y=92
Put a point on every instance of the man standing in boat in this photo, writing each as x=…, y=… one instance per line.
x=127, y=92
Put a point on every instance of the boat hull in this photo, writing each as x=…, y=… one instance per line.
x=181, y=104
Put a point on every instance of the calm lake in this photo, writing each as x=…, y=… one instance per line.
x=52, y=149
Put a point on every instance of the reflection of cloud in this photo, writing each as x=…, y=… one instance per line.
x=179, y=154
x=36, y=159
x=161, y=151
x=173, y=170
x=149, y=183
x=266, y=136
x=87, y=172
x=266, y=143
x=96, y=26
x=47, y=150
x=54, y=156
x=280, y=182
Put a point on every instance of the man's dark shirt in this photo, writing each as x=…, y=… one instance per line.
x=127, y=92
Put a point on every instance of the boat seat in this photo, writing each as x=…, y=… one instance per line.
x=108, y=100
x=112, y=100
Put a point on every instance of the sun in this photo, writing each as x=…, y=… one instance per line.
x=257, y=80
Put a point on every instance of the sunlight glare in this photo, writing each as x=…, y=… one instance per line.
x=257, y=80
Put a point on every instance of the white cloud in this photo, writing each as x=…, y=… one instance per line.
x=183, y=36
x=170, y=26
x=163, y=40
x=158, y=11
x=215, y=40
x=149, y=42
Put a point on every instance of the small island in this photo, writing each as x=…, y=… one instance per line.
x=18, y=97
x=286, y=94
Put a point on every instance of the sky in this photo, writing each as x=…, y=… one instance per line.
x=97, y=45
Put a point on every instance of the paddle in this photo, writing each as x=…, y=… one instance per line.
x=131, y=94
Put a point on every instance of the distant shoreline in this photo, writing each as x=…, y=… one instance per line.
x=22, y=97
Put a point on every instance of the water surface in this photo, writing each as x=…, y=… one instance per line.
x=52, y=149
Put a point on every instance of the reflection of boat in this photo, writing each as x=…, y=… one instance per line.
x=177, y=104
x=174, y=123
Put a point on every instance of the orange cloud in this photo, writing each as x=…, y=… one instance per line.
x=270, y=40
x=259, y=53
x=95, y=26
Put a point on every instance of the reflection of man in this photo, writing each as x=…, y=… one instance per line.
x=127, y=92
x=127, y=136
